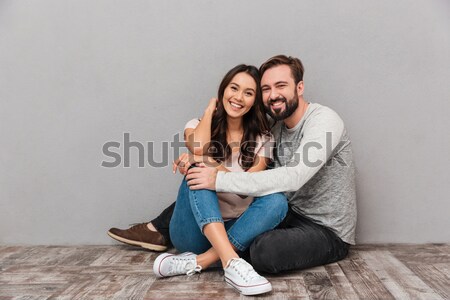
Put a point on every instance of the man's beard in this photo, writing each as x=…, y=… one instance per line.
x=290, y=107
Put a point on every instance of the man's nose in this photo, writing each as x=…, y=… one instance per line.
x=273, y=94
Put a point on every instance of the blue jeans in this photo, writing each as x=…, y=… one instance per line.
x=195, y=209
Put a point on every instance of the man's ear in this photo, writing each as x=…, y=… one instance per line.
x=300, y=88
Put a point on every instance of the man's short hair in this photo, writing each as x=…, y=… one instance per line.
x=294, y=64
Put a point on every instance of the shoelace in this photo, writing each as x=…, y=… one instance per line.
x=135, y=226
x=180, y=265
x=244, y=268
x=197, y=269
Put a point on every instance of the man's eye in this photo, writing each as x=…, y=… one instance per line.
x=265, y=90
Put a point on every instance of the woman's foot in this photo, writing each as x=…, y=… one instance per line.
x=168, y=264
x=241, y=275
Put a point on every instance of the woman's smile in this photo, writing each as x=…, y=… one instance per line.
x=235, y=106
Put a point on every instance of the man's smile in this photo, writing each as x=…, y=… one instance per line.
x=277, y=104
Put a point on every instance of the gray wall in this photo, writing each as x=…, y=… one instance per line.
x=76, y=74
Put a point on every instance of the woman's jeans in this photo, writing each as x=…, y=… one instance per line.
x=196, y=208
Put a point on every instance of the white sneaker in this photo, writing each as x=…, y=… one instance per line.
x=168, y=264
x=241, y=275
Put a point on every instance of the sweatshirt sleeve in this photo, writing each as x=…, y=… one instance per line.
x=322, y=133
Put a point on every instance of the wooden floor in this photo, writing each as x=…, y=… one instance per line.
x=120, y=272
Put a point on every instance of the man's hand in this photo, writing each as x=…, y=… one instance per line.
x=203, y=177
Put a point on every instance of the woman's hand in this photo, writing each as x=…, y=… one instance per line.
x=212, y=105
x=181, y=163
x=186, y=160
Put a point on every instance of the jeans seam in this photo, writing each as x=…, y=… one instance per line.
x=204, y=221
x=235, y=243
x=207, y=221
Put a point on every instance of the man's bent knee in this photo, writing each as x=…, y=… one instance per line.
x=263, y=254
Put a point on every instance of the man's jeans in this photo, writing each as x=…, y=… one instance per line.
x=196, y=208
x=297, y=243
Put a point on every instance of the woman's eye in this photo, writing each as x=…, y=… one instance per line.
x=233, y=88
x=249, y=94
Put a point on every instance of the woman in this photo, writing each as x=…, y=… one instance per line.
x=232, y=135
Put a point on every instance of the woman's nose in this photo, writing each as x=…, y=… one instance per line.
x=239, y=96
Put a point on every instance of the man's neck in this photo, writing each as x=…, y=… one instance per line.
x=298, y=114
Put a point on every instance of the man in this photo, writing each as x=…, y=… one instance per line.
x=313, y=166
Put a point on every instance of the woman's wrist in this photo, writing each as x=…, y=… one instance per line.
x=208, y=113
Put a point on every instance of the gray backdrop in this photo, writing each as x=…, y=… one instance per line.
x=77, y=74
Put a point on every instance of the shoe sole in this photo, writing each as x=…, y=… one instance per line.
x=249, y=291
x=148, y=246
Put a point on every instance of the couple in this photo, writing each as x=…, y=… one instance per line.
x=313, y=166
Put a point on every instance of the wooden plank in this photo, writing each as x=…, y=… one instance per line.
x=9, y=255
x=40, y=275
x=296, y=289
x=133, y=286
x=54, y=255
x=195, y=289
x=444, y=268
x=364, y=281
x=398, y=279
x=295, y=274
x=120, y=255
x=343, y=287
x=433, y=277
x=32, y=291
x=5, y=251
x=420, y=254
x=285, y=289
x=319, y=285
x=377, y=266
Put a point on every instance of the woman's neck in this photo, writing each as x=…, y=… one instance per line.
x=235, y=130
x=235, y=125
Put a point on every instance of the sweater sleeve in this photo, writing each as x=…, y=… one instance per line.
x=322, y=133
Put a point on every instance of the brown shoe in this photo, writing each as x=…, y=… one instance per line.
x=139, y=235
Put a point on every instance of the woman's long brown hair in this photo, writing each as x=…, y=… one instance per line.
x=254, y=122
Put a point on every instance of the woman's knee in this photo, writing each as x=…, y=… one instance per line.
x=277, y=203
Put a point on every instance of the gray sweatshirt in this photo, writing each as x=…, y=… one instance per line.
x=313, y=166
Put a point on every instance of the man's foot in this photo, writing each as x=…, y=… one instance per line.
x=168, y=264
x=140, y=235
x=241, y=275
